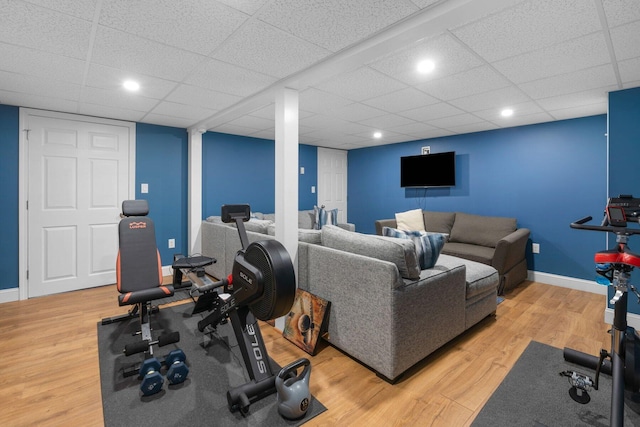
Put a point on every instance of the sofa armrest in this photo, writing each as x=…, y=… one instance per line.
x=347, y=226
x=385, y=223
x=510, y=250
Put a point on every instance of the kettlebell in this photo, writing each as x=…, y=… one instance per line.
x=293, y=390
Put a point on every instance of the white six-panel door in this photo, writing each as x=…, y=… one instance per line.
x=332, y=180
x=78, y=175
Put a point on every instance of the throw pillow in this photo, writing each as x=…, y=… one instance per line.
x=428, y=245
x=410, y=220
x=325, y=216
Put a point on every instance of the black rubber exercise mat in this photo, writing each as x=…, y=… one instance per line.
x=215, y=365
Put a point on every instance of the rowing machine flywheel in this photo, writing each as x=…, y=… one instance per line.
x=264, y=279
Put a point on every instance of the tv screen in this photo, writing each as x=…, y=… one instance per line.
x=429, y=170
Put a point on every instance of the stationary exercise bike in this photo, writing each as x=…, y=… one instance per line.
x=261, y=286
x=614, y=267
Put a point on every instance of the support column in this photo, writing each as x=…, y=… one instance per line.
x=286, y=164
x=195, y=190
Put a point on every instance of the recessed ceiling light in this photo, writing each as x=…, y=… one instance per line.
x=426, y=66
x=131, y=85
x=377, y=135
x=507, y=112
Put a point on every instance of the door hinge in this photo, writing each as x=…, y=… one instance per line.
x=27, y=274
x=27, y=205
x=27, y=132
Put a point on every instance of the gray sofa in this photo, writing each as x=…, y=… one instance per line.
x=495, y=241
x=223, y=243
x=385, y=311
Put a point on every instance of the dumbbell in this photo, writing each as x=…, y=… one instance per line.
x=151, y=377
x=177, y=369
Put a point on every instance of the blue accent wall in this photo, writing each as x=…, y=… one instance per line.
x=9, y=170
x=308, y=159
x=545, y=175
x=624, y=152
x=238, y=169
x=162, y=162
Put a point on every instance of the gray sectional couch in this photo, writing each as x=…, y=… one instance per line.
x=495, y=241
x=385, y=311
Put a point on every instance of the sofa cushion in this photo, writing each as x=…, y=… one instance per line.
x=480, y=278
x=481, y=230
x=428, y=245
x=477, y=253
x=410, y=220
x=401, y=252
x=439, y=222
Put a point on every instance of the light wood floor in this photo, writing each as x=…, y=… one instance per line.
x=49, y=372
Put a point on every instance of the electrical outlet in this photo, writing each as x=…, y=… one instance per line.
x=313, y=188
x=535, y=248
x=172, y=243
x=301, y=170
x=144, y=188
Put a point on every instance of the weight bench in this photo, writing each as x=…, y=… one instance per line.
x=139, y=275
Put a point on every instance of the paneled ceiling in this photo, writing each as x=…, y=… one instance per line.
x=218, y=65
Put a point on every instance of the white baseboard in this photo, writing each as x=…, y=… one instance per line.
x=567, y=282
x=9, y=295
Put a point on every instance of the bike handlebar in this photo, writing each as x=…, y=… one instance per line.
x=580, y=225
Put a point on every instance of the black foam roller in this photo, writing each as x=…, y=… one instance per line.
x=138, y=347
x=586, y=360
x=170, y=338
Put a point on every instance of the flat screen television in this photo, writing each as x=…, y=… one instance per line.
x=429, y=170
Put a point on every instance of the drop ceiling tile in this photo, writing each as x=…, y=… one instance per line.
x=471, y=82
x=361, y=84
x=26, y=24
x=584, y=52
x=388, y=137
x=580, y=111
x=474, y=127
x=37, y=101
x=184, y=111
x=524, y=120
x=159, y=119
x=85, y=9
x=629, y=70
x=255, y=45
x=197, y=25
x=247, y=6
x=41, y=64
x=103, y=77
x=430, y=112
x=577, y=99
x=621, y=12
x=41, y=86
x=454, y=121
x=401, y=100
x=318, y=101
x=334, y=24
x=201, y=97
x=356, y=112
x=424, y=3
x=449, y=56
x=269, y=112
x=121, y=50
x=228, y=78
x=252, y=122
x=434, y=133
x=413, y=129
x=119, y=98
x=387, y=121
x=498, y=99
x=117, y=113
x=528, y=26
x=626, y=42
x=578, y=81
x=632, y=84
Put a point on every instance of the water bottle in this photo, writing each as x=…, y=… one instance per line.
x=602, y=278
